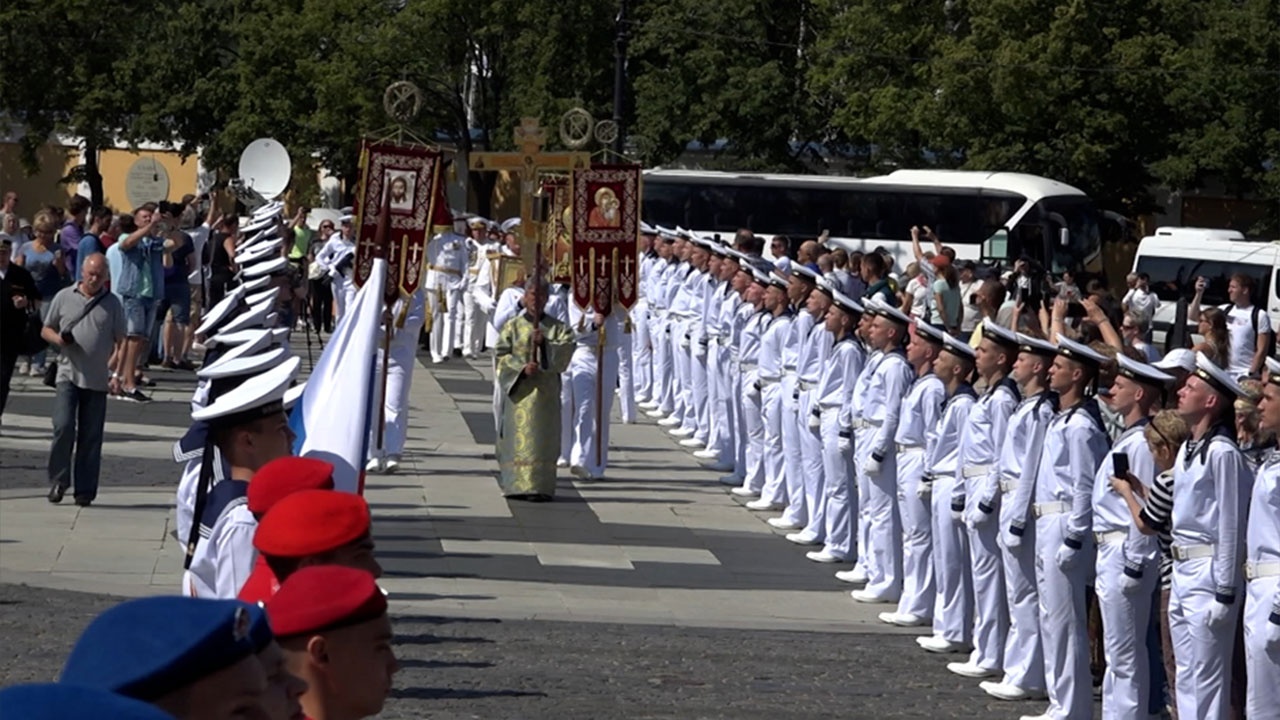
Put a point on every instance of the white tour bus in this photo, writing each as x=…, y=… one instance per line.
x=984, y=216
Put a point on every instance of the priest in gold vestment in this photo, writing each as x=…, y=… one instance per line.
x=533, y=350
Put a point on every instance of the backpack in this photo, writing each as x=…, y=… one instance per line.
x=1253, y=317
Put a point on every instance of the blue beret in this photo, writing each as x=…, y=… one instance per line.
x=150, y=647
x=50, y=701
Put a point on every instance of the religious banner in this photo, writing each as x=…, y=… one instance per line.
x=606, y=226
x=557, y=238
x=405, y=179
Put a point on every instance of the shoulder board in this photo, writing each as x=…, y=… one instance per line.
x=224, y=496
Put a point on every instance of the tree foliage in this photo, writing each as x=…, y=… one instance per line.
x=1117, y=98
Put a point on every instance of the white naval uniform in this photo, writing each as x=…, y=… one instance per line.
x=980, y=496
x=769, y=377
x=509, y=304
x=953, y=612
x=474, y=314
x=1019, y=462
x=663, y=391
x=189, y=484
x=1128, y=572
x=641, y=343
x=486, y=295
x=699, y=346
x=811, y=361
x=749, y=324
x=1074, y=445
x=224, y=559
x=721, y=411
x=400, y=364
x=1262, y=592
x=888, y=379
x=446, y=280
x=850, y=417
x=917, y=428
x=792, y=453
x=680, y=314
x=830, y=397
x=331, y=255
x=584, y=370
x=1211, y=488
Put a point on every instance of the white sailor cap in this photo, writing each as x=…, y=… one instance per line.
x=960, y=349
x=666, y=233
x=846, y=303
x=647, y=229
x=262, y=235
x=255, y=284
x=257, y=297
x=271, y=209
x=1177, y=359
x=255, y=338
x=887, y=311
x=804, y=272
x=777, y=279
x=825, y=285
x=248, y=256
x=510, y=224
x=758, y=276
x=477, y=221
x=932, y=334
x=347, y=217
x=1036, y=346
x=293, y=394
x=260, y=396
x=1079, y=352
x=222, y=310
x=254, y=317
x=254, y=224
x=1141, y=372
x=993, y=331
x=1217, y=378
x=682, y=233
x=244, y=364
x=265, y=267
x=1273, y=371
x=739, y=257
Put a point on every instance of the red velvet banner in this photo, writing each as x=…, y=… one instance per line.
x=606, y=226
x=410, y=174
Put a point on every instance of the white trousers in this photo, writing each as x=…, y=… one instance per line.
x=796, y=513
x=626, y=383
x=1262, y=665
x=953, y=612
x=1203, y=654
x=403, y=356
x=663, y=367
x=1023, y=653
x=773, y=460
x=720, y=410
x=341, y=287
x=839, y=501
x=752, y=422
x=1064, y=623
x=497, y=399
x=991, y=617
x=642, y=351
x=443, y=320
x=884, y=525
x=474, y=322
x=587, y=435
x=813, y=472
x=682, y=362
x=919, y=593
x=1126, y=685
x=699, y=391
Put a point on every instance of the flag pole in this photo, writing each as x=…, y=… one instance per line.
x=381, y=250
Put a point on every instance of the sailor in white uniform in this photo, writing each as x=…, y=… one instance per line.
x=750, y=323
x=474, y=316
x=592, y=374
x=498, y=305
x=407, y=317
x=337, y=257
x=700, y=284
x=662, y=396
x=1074, y=444
x=918, y=422
x=953, y=611
x=769, y=374
x=722, y=444
x=1128, y=568
x=641, y=343
x=446, y=280
x=876, y=456
x=800, y=284
x=849, y=416
x=979, y=494
x=828, y=398
x=1211, y=489
x=680, y=417
x=810, y=363
x=1017, y=467
x=1262, y=567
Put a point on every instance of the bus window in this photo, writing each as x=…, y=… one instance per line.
x=1173, y=278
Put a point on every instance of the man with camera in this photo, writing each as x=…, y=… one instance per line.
x=85, y=322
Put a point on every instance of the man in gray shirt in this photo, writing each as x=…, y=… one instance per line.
x=86, y=323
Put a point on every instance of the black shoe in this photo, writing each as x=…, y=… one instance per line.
x=55, y=494
x=83, y=501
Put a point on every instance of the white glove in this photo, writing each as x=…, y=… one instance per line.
x=684, y=342
x=1273, y=635
x=923, y=490
x=975, y=517
x=1219, y=613
x=844, y=445
x=1129, y=584
x=1011, y=541
x=815, y=421
x=871, y=466
x=1066, y=558
x=753, y=390
x=957, y=516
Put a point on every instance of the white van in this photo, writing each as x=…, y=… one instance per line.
x=1175, y=256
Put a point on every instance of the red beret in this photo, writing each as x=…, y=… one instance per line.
x=324, y=597
x=311, y=522
x=286, y=476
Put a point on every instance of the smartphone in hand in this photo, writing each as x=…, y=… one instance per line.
x=1120, y=465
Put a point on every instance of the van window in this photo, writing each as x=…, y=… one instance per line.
x=1174, y=278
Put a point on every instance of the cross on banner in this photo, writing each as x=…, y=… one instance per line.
x=528, y=162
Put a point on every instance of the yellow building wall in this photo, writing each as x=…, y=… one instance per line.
x=44, y=188
x=115, y=165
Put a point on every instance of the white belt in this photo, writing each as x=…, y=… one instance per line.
x=766, y=382
x=903, y=449
x=805, y=386
x=973, y=471
x=1008, y=485
x=1106, y=538
x=861, y=424
x=1255, y=570
x=747, y=367
x=1049, y=508
x=1191, y=552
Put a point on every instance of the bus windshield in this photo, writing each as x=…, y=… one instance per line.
x=1039, y=234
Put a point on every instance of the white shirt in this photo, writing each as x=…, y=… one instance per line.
x=1020, y=456
x=1244, y=341
x=1074, y=445
x=944, y=457
x=750, y=333
x=1211, y=489
x=840, y=374
x=772, y=346
x=980, y=444
x=1262, y=543
x=223, y=560
x=887, y=383
x=1111, y=512
x=921, y=297
x=921, y=410
x=1142, y=302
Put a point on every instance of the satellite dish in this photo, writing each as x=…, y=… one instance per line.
x=265, y=168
